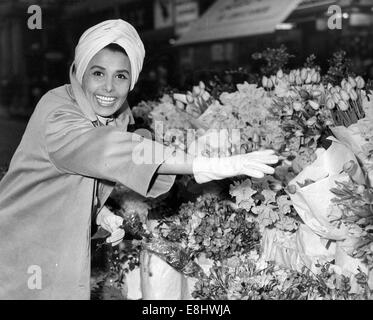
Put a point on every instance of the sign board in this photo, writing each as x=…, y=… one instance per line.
x=306, y=4
x=163, y=14
x=186, y=13
x=228, y=19
x=358, y=19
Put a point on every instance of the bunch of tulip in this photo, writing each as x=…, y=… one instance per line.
x=345, y=101
x=193, y=103
x=296, y=77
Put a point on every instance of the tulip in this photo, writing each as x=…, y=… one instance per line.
x=336, y=97
x=298, y=80
x=332, y=90
x=343, y=83
x=181, y=97
x=265, y=82
x=274, y=80
x=350, y=167
x=345, y=96
x=292, y=188
x=298, y=133
x=315, y=77
x=316, y=93
x=360, y=83
x=303, y=74
x=329, y=87
x=352, y=82
x=202, y=85
x=297, y=106
x=311, y=121
x=205, y=95
x=348, y=87
x=196, y=90
x=353, y=95
x=189, y=97
x=291, y=77
x=314, y=105
x=179, y=105
x=338, y=88
x=330, y=104
x=342, y=105
x=280, y=74
x=309, y=78
x=270, y=84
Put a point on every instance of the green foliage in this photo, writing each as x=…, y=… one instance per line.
x=339, y=68
x=273, y=59
x=211, y=226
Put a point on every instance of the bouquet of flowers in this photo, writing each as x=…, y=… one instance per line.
x=353, y=207
x=247, y=277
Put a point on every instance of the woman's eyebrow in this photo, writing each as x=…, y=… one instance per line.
x=102, y=68
x=123, y=71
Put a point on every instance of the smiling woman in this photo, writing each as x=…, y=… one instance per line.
x=75, y=149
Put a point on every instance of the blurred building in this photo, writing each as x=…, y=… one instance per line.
x=180, y=36
x=35, y=60
x=230, y=31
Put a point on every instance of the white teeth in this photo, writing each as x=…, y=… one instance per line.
x=105, y=99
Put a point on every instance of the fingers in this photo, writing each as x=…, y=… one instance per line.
x=258, y=166
x=265, y=156
x=116, y=237
x=253, y=173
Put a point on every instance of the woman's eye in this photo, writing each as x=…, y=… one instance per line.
x=122, y=76
x=97, y=73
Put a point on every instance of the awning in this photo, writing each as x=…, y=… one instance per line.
x=228, y=19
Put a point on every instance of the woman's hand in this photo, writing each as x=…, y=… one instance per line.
x=111, y=223
x=254, y=164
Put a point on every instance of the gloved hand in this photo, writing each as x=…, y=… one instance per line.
x=111, y=222
x=251, y=164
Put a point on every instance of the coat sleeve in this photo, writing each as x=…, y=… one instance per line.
x=74, y=146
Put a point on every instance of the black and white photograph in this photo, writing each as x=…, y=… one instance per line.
x=203, y=151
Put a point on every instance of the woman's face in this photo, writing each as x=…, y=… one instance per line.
x=106, y=81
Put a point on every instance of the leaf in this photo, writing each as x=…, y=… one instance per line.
x=269, y=196
x=100, y=234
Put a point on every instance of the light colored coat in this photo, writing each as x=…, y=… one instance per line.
x=46, y=197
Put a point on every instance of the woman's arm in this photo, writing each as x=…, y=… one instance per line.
x=181, y=163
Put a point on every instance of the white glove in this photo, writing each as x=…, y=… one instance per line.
x=111, y=222
x=251, y=164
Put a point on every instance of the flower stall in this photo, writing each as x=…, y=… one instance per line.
x=305, y=232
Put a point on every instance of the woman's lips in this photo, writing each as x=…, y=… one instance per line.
x=105, y=101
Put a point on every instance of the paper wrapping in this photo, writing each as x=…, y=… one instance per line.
x=133, y=284
x=312, y=201
x=296, y=250
x=160, y=280
x=352, y=139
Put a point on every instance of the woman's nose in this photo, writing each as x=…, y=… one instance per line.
x=109, y=84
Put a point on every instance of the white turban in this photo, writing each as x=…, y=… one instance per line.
x=99, y=36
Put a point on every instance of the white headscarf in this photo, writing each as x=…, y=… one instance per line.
x=99, y=36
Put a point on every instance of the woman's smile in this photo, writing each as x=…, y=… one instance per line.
x=105, y=101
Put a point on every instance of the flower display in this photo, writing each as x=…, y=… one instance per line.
x=290, y=235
